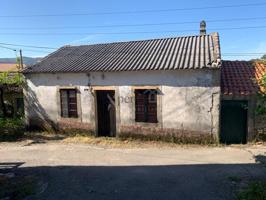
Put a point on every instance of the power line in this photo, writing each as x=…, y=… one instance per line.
x=132, y=25
x=30, y=46
x=243, y=53
x=29, y=50
x=223, y=54
x=134, y=32
x=33, y=50
x=239, y=55
x=4, y=47
x=137, y=11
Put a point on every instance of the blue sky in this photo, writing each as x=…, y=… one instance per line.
x=232, y=41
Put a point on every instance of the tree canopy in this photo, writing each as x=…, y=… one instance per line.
x=261, y=104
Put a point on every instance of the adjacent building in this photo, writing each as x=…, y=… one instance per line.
x=239, y=91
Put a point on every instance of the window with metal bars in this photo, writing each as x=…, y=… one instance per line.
x=146, y=106
x=68, y=98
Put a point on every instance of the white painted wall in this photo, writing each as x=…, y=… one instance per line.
x=190, y=98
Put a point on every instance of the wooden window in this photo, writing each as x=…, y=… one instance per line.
x=68, y=98
x=146, y=106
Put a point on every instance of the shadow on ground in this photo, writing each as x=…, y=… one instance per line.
x=202, y=181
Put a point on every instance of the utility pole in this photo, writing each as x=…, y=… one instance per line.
x=21, y=59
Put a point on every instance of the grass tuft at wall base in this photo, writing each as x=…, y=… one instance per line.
x=170, y=138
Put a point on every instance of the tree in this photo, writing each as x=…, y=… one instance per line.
x=263, y=57
x=261, y=105
x=9, y=80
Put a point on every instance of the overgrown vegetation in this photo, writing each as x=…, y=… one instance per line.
x=261, y=107
x=201, y=139
x=9, y=80
x=261, y=103
x=72, y=132
x=18, y=187
x=11, y=129
x=254, y=191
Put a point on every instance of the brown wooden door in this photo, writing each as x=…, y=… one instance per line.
x=106, y=113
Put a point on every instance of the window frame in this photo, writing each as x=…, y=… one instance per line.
x=69, y=115
x=148, y=104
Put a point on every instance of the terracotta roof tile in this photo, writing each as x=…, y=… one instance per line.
x=240, y=78
x=5, y=67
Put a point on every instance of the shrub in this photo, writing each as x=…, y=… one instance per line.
x=255, y=190
x=11, y=129
x=261, y=100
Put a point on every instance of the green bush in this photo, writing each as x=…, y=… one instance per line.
x=11, y=129
x=261, y=100
x=261, y=104
x=254, y=191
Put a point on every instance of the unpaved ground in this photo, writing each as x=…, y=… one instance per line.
x=82, y=171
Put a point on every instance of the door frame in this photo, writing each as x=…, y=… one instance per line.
x=247, y=103
x=95, y=90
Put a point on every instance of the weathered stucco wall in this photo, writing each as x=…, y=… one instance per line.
x=188, y=103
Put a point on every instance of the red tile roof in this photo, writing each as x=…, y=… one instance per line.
x=5, y=67
x=240, y=78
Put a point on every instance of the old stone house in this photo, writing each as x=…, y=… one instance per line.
x=153, y=87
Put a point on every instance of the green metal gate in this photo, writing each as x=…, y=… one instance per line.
x=234, y=122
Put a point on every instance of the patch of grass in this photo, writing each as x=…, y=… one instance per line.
x=101, y=141
x=17, y=188
x=79, y=136
x=11, y=129
x=254, y=191
x=201, y=139
x=75, y=132
x=113, y=142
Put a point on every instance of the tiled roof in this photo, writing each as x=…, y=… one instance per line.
x=8, y=67
x=190, y=52
x=240, y=78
